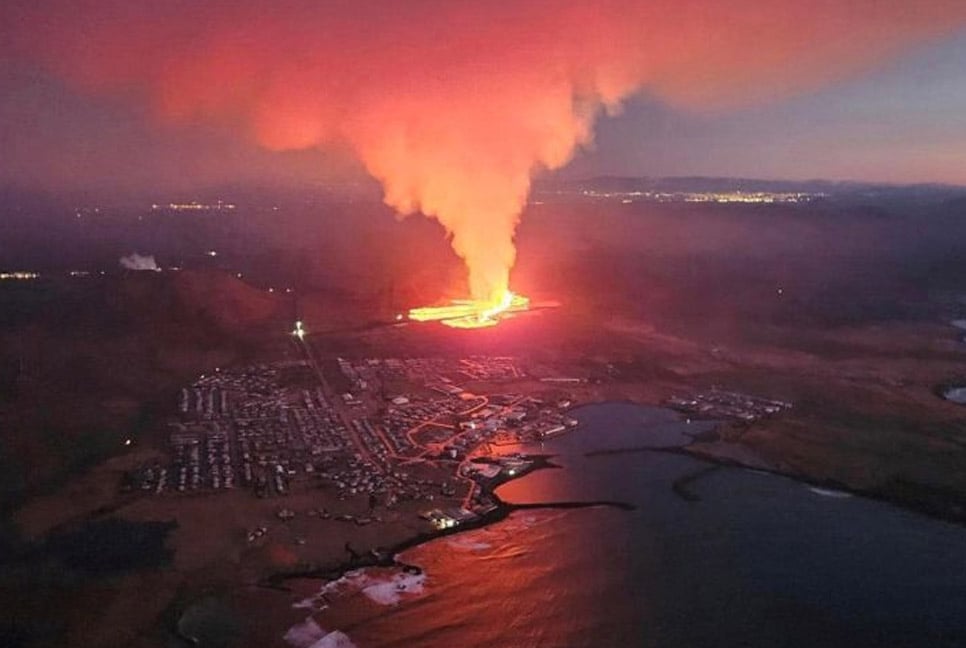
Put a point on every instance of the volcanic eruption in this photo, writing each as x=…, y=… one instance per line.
x=453, y=106
x=469, y=313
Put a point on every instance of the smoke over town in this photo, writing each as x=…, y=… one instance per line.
x=454, y=106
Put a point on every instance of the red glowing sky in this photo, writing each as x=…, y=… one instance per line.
x=371, y=80
x=451, y=106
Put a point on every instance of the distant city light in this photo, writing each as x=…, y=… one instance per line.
x=299, y=330
x=736, y=196
x=194, y=206
x=19, y=275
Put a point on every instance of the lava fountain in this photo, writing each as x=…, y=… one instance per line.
x=471, y=313
x=453, y=106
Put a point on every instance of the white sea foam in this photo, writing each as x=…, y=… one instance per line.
x=960, y=324
x=827, y=492
x=311, y=603
x=392, y=591
x=303, y=635
x=380, y=588
x=956, y=395
x=334, y=639
x=319, y=602
x=308, y=634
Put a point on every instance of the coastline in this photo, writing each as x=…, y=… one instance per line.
x=253, y=570
x=699, y=448
x=917, y=498
x=389, y=557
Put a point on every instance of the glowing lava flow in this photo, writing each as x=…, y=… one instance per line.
x=469, y=313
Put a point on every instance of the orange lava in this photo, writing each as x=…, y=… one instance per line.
x=471, y=314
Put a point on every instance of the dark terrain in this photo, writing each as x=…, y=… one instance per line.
x=841, y=306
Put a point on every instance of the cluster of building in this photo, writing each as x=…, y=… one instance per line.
x=446, y=370
x=484, y=473
x=717, y=403
x=487, y=369
x=246, y=427
x=394, y=430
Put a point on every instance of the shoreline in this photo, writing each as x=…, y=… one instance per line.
x=907, y=496
x=389, y=557
x=948, y=508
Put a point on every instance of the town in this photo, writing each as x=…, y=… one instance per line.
x=722, y=404
x=388, y=430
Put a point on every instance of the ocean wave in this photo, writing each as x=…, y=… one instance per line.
x=311, y=603
x=309, y=634
x=377, y=587
x=827, y=492
x=391, y=591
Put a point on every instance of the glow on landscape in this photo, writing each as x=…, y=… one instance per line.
x=453, y=107
x=471, y=314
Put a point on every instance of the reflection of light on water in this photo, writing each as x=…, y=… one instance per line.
x=577, y=577
x=466, y=542
x=537, y=486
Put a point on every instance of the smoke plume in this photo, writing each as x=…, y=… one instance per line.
x=453, y=105
x=135, y=261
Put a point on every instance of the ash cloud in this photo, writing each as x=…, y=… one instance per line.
x=454, y=106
